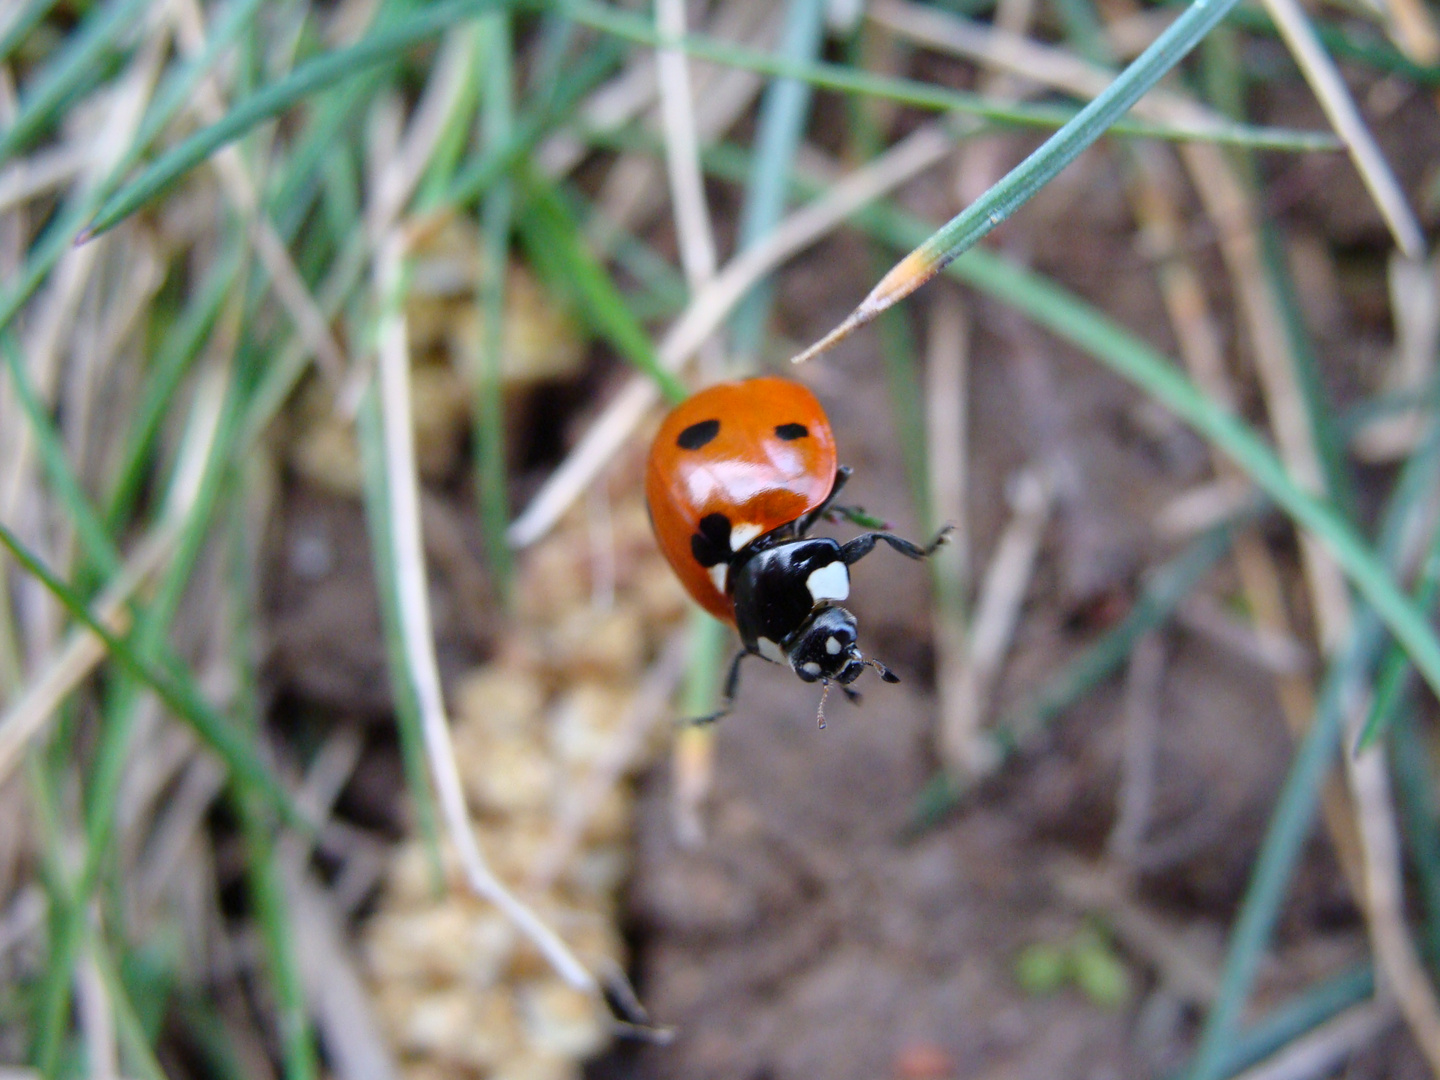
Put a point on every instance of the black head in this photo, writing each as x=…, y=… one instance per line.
x=824, y=647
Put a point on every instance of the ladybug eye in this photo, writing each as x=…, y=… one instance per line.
x=791, y=432
x=697, y=435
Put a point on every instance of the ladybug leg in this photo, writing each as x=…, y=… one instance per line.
x=727, y=697
x=854, y=695
x=855, y=550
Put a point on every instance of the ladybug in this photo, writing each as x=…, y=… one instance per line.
x=737, y=476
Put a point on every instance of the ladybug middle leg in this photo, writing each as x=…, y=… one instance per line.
x=854, y=550
x=727, y=696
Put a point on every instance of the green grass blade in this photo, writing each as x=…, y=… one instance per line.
x=559, y=253
x=1415, y=787
x=1390, y=683
x=1016, y=187
x=134, y=1041
x=94, y=539
x=74, y=63
x=368, y=430
x=61, y=233
x=1295, y=1018
x=264, y=878
x=478, y=175
x=178, y=693
x=495, y=223
x=21, y=25
x=1293, y=817
x=934, y=98
x=306, y=79
x=181, y=344
x=783, y=111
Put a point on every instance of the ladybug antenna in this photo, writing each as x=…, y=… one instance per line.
x=885, y=673
x=820, y=712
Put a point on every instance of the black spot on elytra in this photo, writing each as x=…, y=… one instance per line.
x=791, y=432
x=697, y=435
x=711, y=545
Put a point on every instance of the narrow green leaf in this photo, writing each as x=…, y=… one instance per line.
x=783, y=111
x=559, y=252
x=175, y=690
x=74, y=63
x=307, y=78
x=1016, y=187
x=495, y=222
x=927, y=96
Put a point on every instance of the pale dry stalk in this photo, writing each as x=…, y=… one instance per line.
x=412, y=596
x=946, y=399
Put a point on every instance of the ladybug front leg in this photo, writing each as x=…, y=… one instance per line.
x=855, y=550
x=727, y=697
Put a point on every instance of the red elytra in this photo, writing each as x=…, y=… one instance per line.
x=759, y=452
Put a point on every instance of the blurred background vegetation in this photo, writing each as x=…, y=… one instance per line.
x=339, y=672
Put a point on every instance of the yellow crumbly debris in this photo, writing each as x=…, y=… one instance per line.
x=458, y=989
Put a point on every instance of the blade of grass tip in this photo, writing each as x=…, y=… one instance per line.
x=179, y=696
x=1335, y=100
x=306, y=79
x=918, y=151
x=496, y=216
x=1410, y=757
x=783, y=112
x=1292, y=819
x=75, y=61
x=558, y=251
x=368, y=425
x=1164, y=589
x=1013, y=190
x=263, y=876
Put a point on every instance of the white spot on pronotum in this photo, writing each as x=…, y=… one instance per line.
x=770, y=651
x=810, y=667
x=832, y=645
x=742, y=534
x=720, y=574
x=831, y=582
